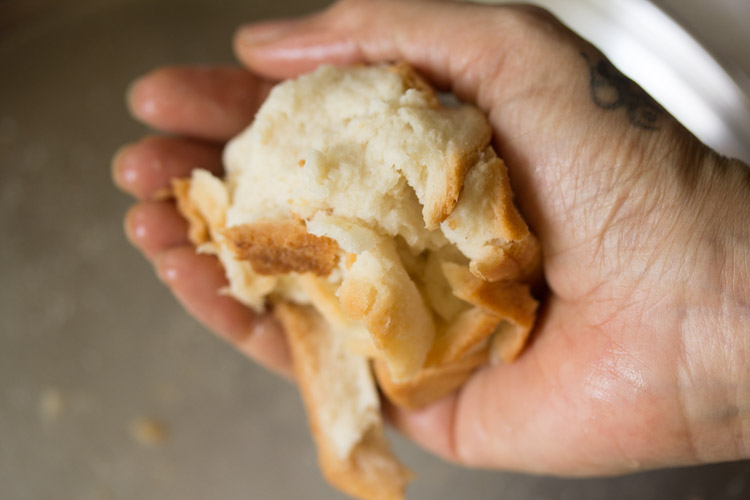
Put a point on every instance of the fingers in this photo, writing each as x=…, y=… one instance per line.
x=286, y=48
x=146, y=168
x=453, y=44
x=155, y=226
x=206, y=103
x=197, y=280
x=160, y=232
x=212, y=103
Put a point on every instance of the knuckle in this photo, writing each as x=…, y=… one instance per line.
x=348, y=9
x=534, y=19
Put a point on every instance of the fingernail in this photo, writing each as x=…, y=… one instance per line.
x=165, y=272
x=121, y=178
x=130, y=91
x=129, y=223
x=139, y=95
x=261, y=34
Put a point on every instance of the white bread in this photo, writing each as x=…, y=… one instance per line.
x=358, y=204
x=343, y=408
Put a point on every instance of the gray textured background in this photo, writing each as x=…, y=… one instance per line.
x=90, y=341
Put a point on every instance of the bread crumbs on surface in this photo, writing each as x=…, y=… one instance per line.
x=51, y=404
x=148, y=432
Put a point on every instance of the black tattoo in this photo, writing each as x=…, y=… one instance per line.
x=611, y=90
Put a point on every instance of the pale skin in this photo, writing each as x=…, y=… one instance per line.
x=641, y=355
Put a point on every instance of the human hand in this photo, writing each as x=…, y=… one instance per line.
x=203, y=107
x=640, y=355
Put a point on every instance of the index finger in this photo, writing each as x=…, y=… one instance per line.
x=453, y=44
x=212, y=103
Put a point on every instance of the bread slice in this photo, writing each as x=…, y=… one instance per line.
x=380, y=225
x=343, y=409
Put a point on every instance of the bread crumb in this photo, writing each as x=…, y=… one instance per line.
x=351, y=258
x=163, y=194
x=301, y=163
x=148, y=432
x=51, y=404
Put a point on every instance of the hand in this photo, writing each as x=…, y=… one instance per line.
x=206, y=106
x=641, y=356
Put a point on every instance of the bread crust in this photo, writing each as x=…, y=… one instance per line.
x=518, y=260
x=282, y=246
x=369, y=471
x=468, y=330
x=198, y=231
x=509, y=301
x=412, y=80
x=442, y=196
x=430, y=384
x=498, y=241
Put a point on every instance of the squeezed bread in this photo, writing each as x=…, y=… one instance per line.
x=380, y=226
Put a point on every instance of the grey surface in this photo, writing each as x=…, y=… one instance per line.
x=82, y=317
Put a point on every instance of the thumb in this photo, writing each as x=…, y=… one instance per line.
x=455, y=45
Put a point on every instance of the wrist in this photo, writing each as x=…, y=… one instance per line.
x=734, y=274
x=715, y=333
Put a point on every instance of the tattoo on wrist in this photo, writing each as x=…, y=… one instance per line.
x=611, y=90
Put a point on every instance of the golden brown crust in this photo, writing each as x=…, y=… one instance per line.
x=282, y=246
x=509, y=300
x=508, y=341
x=503, y=249
x=468, y=330
x=370, y=472
x=455, y=173
x=412, y=80
x=198, y=231
x=430, y=384
x=510, y=224
x=519, y=260
x=446, y=191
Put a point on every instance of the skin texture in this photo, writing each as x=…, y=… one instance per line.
x=641, y=354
